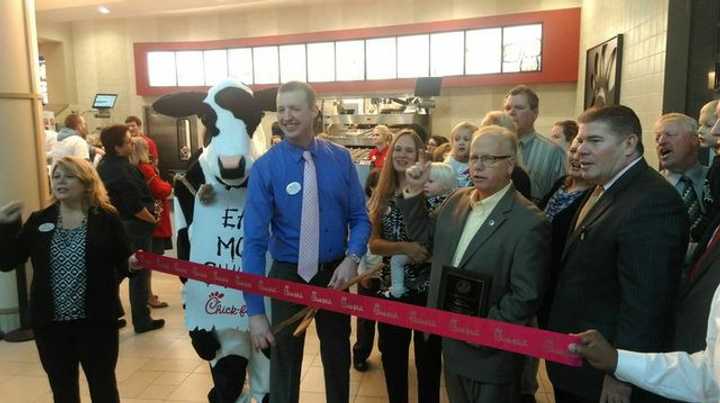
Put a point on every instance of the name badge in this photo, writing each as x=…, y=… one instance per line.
x=293, y=188
x=46, y=227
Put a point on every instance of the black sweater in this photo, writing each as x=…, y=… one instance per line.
x=125, y=185
x=106, y=254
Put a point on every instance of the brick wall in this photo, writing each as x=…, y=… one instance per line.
x=644, y=25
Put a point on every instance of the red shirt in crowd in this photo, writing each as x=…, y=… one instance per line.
x=377, y=157
x=161, y=191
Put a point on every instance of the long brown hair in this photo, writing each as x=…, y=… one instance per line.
x=96, y=195
x=389, y=181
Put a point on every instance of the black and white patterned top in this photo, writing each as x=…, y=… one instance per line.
x=416, y=276
x=68, y=272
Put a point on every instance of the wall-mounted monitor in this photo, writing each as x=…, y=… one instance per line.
x=104, y=101
x=428, y=86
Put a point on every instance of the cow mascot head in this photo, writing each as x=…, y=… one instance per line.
x=212, y=233
x=231, y=113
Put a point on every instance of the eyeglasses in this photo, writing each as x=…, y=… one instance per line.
x=489, y=160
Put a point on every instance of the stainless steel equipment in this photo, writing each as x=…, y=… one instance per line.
x=350, y=120
x=177, y=140
x=388, y=119
x=354, y=130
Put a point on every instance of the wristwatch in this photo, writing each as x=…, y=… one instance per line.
x=355, y=258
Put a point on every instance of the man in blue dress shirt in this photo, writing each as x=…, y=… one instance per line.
x=306, y=206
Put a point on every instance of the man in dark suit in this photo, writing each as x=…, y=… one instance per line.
x=696, y=293
x=492, y=230
x=622, y=259
x=703, y=276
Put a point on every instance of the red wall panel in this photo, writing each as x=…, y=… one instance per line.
x=560, y=52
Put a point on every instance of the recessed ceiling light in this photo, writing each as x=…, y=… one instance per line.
x=103, y=10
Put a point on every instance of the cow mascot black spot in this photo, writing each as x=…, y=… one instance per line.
x=212, y=234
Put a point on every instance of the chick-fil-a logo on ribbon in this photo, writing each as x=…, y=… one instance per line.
x=214, y=306
x=500, y=337
x=486, y=332
x=316, y=298
x=413, y=318
x=457, y=327
x=379, y=311
x=266, y=288
x=220, y=279
x=289, y=292
x=351, y=306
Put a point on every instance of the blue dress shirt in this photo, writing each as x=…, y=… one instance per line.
x=274, y=207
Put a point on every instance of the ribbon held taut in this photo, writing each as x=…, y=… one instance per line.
x=533, y=342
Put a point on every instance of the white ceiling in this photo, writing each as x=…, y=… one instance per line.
x=75, y=10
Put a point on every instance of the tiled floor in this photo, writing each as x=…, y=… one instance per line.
x=161, y=366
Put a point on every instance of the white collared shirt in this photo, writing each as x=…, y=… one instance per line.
x=479, y=212
x=615, y=178
x=678, y=375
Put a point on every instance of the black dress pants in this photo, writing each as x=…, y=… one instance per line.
x=140, y=236
x=333, y=330
x=365, y=328
x=394, y=346
x=63, y=346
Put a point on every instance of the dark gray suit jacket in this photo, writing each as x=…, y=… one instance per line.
x=695, y=298
x=512, y=246
x=619, y=273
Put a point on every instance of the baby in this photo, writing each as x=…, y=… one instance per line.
x=442, y=182
x=440, y=185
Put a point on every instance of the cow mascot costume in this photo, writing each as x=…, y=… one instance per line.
x=211, y=233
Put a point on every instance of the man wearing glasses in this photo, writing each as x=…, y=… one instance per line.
x=496, y=240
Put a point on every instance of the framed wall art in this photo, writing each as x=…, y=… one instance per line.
x=602, y=73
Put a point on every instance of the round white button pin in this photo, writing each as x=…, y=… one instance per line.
x=293, y=188
x=46, y=227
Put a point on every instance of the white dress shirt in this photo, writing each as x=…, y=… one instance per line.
x=678, y=375
x=617, y=176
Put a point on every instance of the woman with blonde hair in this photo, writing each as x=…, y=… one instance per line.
x=520, y=178
x=406, y=277
x=382, y=137
x=79, y=253
x=161, y=191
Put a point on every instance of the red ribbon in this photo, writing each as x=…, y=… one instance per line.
x=538, y=343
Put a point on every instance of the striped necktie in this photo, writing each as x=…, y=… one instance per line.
x=691, y=201
x=309, y=222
